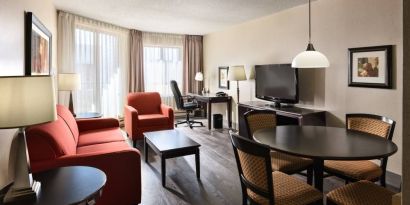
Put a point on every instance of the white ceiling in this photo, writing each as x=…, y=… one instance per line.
x=176, y=16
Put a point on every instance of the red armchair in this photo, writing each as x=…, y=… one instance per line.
x=90, y=142
x=145, y=112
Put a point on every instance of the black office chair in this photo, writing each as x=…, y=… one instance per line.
x=184, y=103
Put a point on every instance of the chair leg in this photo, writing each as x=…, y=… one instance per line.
x=244, y=199
x=383, y=180
x=188, y=121
x=310, y=176
x=134, y=143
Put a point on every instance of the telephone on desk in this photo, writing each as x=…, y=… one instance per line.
x=221, y=94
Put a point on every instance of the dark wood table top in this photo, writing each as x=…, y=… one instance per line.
x=327, y=143
x=170, y=140
x=69, y=185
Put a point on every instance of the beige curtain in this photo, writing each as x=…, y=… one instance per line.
x=193, y=63
x=65, y=51
x=136, y=70
x=99, y=52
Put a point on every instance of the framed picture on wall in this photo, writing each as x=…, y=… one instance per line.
x=223, y=81
x=371, y=67
x=37, y=49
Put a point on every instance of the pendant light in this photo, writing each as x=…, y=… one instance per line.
x=310, y=58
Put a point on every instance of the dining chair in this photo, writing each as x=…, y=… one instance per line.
x=360, y=193
x=351, y=171
x=289, y=164
x=262, y=186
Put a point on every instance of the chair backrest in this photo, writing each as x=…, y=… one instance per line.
x=372, y=124
x=255, y=171
x=259, y=119
x=145, y=102
x=177, y=95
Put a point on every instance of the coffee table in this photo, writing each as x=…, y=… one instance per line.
x=169, y=144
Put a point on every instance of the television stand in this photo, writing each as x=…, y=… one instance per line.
x=279, y=105
x=286, y=114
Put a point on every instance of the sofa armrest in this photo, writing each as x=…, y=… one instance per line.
x=130, y=120
x=97, y=123
x=169, y=112
x=122, y=168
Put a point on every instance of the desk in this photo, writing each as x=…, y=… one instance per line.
x=325, y=143
x=210, y=98
x=69, y=185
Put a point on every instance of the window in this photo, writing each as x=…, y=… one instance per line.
x=163, y=59
x=97, y=60
x=161, y=65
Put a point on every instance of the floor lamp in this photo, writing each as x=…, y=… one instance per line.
x=237, y=73
x=26, y=101
x=69, y=82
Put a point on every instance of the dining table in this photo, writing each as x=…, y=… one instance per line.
x=321, y=143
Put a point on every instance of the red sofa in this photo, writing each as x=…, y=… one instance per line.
x=145, y=112
x=89, y=142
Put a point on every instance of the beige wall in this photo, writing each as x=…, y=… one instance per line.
x=12, y=55
x=337, y=26
x=406, y=102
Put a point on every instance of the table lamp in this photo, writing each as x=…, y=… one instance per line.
x=200, y=77
x=237, y=73
x=69, y=82
x=26, y=101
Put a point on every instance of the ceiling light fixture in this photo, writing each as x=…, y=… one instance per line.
x=310, y=58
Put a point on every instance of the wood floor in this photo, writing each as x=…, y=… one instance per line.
x=219, y=183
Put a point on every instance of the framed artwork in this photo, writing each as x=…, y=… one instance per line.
x=371, y=67
x=37, y=49
x=223, y=77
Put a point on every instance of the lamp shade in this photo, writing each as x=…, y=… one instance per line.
x=236, y=73
x=26, y=100
x=69, y=81
x=310, y=59
x=251, y=73
x=199, y=76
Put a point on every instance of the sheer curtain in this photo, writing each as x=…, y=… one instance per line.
x=101, y=57
x=163, y=62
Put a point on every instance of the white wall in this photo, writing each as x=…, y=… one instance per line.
x=12, y=56
x=337, y=25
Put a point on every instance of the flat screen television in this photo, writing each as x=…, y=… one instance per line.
x=277, y=83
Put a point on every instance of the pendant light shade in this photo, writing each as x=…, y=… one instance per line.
x=310, y=58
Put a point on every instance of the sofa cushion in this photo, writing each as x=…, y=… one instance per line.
x=50, y=140
x=152, y=120
x=100, y=136
x=103, y=148
x=69, y=119
x=145, y=102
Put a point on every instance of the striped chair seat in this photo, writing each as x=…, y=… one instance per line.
x=360, y=193
x=288, y=191
x=357, y=170
x=288, y=163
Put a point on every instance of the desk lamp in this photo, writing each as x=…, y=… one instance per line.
x=200, y=77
